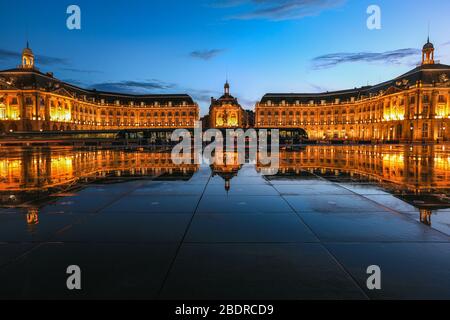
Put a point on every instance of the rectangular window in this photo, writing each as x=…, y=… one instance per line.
x=425, y=130
x=441, y=131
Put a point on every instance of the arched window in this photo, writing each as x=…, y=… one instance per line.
x=2, y=111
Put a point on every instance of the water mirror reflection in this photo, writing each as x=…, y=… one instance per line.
x=173, y=231
x=416, y=177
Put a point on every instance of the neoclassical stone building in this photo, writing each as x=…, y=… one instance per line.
x=34, y=101
x=226, y=112
x=412, y=107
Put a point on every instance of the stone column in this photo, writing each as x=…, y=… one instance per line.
x=417, y=129
x=8, y=110
x=22, y=112
x=37, y=111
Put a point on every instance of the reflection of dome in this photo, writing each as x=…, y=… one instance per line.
x=226, y=171
x=226, y=175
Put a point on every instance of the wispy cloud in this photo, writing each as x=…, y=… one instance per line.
x=75, y=82
x=134, y=87
x=75, y=70
x=278, y=10
x=202, y=96
x=317, y=89
x=401, y=56
x=7, y=55
x=206, y=54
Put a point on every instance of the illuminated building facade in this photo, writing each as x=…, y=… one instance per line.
x=28, y=171
x=412, y=107
x=34, y=101
x=226, y=112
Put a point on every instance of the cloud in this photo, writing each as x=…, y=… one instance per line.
x=390, y=57
x=75, y=82
x=203, y=95
x=134, y=87
x=317, y=88
x=278, y=10
x=74, y=70
x=7, y=55
x=50, y=61
x=206, y=54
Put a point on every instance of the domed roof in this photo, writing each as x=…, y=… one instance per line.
x=428, y=45
x=27, y=51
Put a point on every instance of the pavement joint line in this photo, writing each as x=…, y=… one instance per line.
x=177, y=251
x=20, y=256
x=332, y=256
x=396, y=212
x=51, y=237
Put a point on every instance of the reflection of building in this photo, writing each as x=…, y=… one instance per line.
x=228, y=169
x=226, y=112
x=418, y=175
x=415, y=169
x=32, y=218
x=28, y=171
x=33, y=101
x=414, y=106
x=425, y=216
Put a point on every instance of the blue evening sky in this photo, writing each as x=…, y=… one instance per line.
x=189, y=46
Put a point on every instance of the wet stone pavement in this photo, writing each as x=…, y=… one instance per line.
x=303, y=238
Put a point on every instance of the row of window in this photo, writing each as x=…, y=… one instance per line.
x=149, y=114
x=425, y=98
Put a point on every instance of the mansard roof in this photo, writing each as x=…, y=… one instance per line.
x=431, y=74
x=33, y=79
